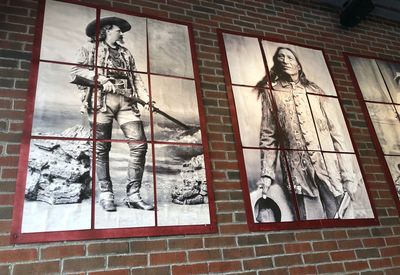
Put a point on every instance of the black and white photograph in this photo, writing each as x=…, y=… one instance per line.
x=169, y=49
x=58, y=184
x=58, y=105
x=391, y=74
x=182, y=192
x=386, y=123
x=172, y=122
x=116, y=140
x=64, y=31
x=248, y=106
x=299, y=160
x=379, y=85
x=393, y=163
x=312, y=65
x=126, y=177
x=246, y=66
x=370, y=79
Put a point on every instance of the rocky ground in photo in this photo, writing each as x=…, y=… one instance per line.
x=59, y=170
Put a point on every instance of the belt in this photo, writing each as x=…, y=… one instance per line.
x=121, y=87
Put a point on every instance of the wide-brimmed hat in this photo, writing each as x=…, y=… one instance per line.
x=264, y=205
x=112, y=20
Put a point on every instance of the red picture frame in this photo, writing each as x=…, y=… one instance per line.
x=176, y=166
x=260, y=106
x=379, y=71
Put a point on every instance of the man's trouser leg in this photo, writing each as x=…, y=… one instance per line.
x=133, y=130
x=330, y=202
x=103, y=131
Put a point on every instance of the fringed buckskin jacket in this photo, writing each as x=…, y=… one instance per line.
x=86, y=56
x=296, y=131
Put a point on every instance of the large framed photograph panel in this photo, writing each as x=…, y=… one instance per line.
x=114, y=142
x=377, y=84
x=298, y=164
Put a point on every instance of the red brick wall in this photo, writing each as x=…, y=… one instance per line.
x=234, y=249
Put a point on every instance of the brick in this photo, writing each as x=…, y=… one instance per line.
x=151, y=270
x=5, y=226
x=367, y=253
x=222, y=241
x=380, y=263
x=57, y=252
x=374, y=242
x=15, y=54
x=269, y=250
x=111, y=272
x=358, y=233
x=204, y=255
x=251, y=240
x=18, y=255
x=371, y=273
x=127, y=260
x=4, y=240
x=316, y=258
x=390, y=251
x=346, y=244
x=167, y=258
x=37, y=268
x=311, y=269
x=83, y=264
x=356, y=266
x=288, y=260
x=326, y=245
x=229, y=206
x=190, y=269
x=238, y=253
x=108, y=248
x=335, y=234
x=259, y=263
x=343, y=255
x=8, y=161
x=225, y=266
x=5, y=103
x=5, y=269
x=281, y=237
x=147, y=246
x=297, y=247
x=6, y=199
x=9, y=173
x=330, y=268
x=188, y=243
x=308, y=236
x=275, y=271
x=13, y=73
x=233, y=228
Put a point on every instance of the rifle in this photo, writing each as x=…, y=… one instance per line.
x=344, y=204
x=82, y=81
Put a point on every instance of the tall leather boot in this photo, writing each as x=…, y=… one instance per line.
x=137, y=157
x=103, y=131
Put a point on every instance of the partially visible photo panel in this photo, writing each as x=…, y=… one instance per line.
x=298, y=164
x=114, y=142
x=182, y=190
x=58, y=184
x=377, y=83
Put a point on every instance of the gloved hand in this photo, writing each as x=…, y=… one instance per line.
x=351, y=188
x=264, y=183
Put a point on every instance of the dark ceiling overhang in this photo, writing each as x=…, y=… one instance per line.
x=388, y=9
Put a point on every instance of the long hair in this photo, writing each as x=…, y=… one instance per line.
x=102, y=34
x=277, y=72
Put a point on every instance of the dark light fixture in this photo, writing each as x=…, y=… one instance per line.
x=353, y=11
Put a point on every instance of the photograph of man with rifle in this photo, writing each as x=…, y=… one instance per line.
x=116, y=97
x=102, y=155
